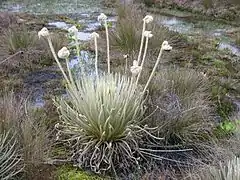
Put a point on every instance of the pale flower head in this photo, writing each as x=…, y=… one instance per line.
x=102, y=17
x=94, y=35
x=63, y=53
x=166, y=46
x=135, y=69
x=148, y=34
x=125, y=56
x=73, y=30
x=147, y=19
x=43, y=33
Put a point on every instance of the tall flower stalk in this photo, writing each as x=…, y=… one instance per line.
x=147, y=19
x=103, y=17
x=45, y=33
x=165, y=47
x=148, y=35
x=74, y=31
x=95, y=35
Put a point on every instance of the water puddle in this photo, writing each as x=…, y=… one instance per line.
x=203, y=28
x=232, y=48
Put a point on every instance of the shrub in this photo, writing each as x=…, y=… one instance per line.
x=9, y=157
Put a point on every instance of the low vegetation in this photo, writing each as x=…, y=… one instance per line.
x=167, y=115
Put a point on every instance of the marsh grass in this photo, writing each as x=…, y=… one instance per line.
x=229, y=171
x=19, y=39
x=31, y=133
x=127, y=34
x=182, y=96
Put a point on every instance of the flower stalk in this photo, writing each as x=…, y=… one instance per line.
x=95, y=35
x=148, y=35
x=147, y=19
x=165, y=47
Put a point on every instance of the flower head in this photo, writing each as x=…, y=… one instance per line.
x=63, y=53
x=73, y=30
x=135, y=69
x=147, y=19
x=43, y=33
x=94, y=35
x=148, y=34
x=102, y=17
x=166, y=46
x=125, y=56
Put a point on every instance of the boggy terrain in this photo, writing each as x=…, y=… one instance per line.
x=192, y=100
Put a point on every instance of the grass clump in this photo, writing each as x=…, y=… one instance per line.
x=127, y=34
x=31, y=135
x=182, y=98
x=231, y=171
x=19, y=39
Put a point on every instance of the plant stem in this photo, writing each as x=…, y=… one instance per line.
x=108, y=51
x=141, y=45
x=96, y=56
x=78, y=53
x=56, y=59
x=69, y=71
x=144, y=56
x=153, y=71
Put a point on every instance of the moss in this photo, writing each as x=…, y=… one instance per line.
x=70, y=173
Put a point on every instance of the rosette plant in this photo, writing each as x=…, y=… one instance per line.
x=102, y=118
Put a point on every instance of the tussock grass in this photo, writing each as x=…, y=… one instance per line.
x=31, y=134
x=127, y=34
x=19, y=39
x=182, y=96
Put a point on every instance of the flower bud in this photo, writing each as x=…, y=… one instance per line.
x=166, y=46
x=63, y=53
x=135, y=69
x=94, y=35
x=73, y=30
x=43, y=33
x=148, y=34
x=147, y=19
x=102, y=17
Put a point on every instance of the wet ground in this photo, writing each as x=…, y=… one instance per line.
x=86, y=12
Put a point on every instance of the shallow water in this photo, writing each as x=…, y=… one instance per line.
x=51, y=6
x=193, y=28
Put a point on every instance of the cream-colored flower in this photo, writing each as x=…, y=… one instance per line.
x=73, y=30
x=94, y=35
x=148, y=19
x=102, y=17
x=166, y=46
x=63, y=53
x=135, y=69
x=148, y=34
x=125, y=56
x=43, y=33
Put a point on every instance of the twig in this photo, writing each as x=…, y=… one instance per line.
x=10, y=57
